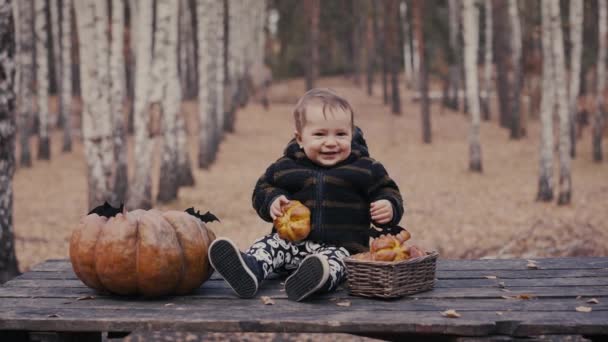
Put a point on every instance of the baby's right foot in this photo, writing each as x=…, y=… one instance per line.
x=230, y=263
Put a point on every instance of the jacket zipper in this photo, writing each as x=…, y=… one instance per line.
x=320, y=204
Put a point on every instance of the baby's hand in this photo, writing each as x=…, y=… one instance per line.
x=275, y=207
x=381, y=211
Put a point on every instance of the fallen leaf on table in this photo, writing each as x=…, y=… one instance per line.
x=267, y=300
x=345, y=303
x=85, y=298
x=450, y=314
x=593, y=301
x=525, y=296
x=501, y=284
x=583, y=309
x=532, y=265
x=506, y=297
x=499, y=313
x=169, y=304
x=490, y=277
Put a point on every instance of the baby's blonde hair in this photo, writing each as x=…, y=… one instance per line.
x=325, y=97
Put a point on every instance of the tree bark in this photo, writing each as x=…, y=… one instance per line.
x=372, y=33
x=547, y=104
x=167, y=93
x=561, y=94
x=455, y=60
x=42, y=80
x=407, y=47
x=140, y=194
x=471, y=36
x=423, y=84
x=118, y=87
x=576, y=39
x=25, y=56
x=515, y=116
x=313, y=8
x=487, y=65
x=502, y=51
x=8, y=260
x=383, y=52
x=600, y=109
x=391, y=11
x=66, y=69
x=206, y=122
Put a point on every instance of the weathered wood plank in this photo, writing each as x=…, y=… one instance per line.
x=266, y=320
x=54, y=265
x=441, y=283
x=276, y=292
x=316, y=305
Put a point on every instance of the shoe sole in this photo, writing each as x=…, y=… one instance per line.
x=308, y=278
x=226, y=259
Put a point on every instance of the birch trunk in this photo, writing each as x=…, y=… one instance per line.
x=118, y=86
x=66, y=69
x=184, y=168
x=470, y=27
x=96, y=122
x=392, y=39
x=42, y=80
x=547, y=105
x=600, y=109
x=454, y=68
x=140, y=194
x=502, y=47
x=424, y=87
x=407, y=47
x=166, y=82
x=561, y=94
x=25, y=80
x=8, y=260
x=516, y=129
x=487, y=65
x=576, y=39
x=219, y=69
x=55, y=49
x=205, y=150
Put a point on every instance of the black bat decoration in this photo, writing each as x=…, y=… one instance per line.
x=107, y=210
x=206, y=217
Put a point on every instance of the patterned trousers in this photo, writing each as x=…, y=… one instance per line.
x=282, y=256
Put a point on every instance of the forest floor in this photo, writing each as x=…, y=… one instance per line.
x=449, y=209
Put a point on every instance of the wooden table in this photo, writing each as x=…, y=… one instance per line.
x=488, y=294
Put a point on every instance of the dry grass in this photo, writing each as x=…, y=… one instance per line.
x=458, y=213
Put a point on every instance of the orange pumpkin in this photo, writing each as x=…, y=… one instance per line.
x=294, y=225
x=151, y=253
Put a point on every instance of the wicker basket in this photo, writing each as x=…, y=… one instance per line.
x=390, y=279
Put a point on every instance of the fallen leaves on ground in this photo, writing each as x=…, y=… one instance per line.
x=267, y=300
x=583, y=309
x=450, y=313
x=593, y=301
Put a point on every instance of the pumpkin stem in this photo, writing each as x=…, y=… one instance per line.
x=206, y=217
x=107, y=210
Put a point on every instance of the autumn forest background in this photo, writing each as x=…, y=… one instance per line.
x=489, y=115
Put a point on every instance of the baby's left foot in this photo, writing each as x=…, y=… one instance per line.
x=310, y=276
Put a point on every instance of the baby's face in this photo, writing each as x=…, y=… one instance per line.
x=326, y=139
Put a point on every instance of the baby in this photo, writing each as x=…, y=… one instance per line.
x=326, y=167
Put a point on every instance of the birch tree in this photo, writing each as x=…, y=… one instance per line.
x=454, y=68
x=167, y=92
x=8, y=260
x=407, y=47
x=600, y=109
x=205, y=59
x=42, y=80
x=140, y=192
x=423, y=78
x=516, y=129
x=66, y=70
x=96, y=119
x=561, y=94
x=547, y=104
x=25, y=66
x=487, y=64
x=118, y=87
x=55, y=51
x=576, y=39
x=471, y=36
